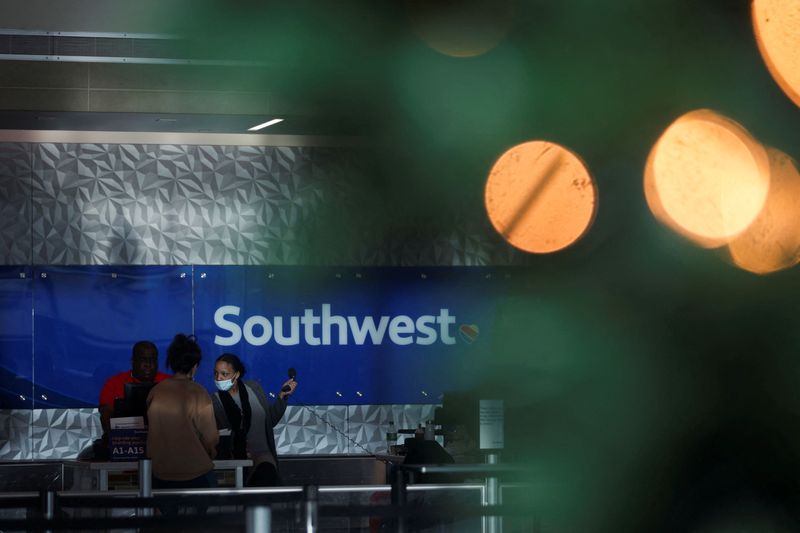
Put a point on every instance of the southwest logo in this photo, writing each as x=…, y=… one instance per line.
x=468, y=332
x=324, y=328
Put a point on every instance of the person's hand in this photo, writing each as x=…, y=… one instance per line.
x=292, y=384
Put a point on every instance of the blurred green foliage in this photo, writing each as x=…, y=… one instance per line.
x=651, y=386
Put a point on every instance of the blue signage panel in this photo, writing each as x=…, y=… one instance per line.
x=88, y=318
x=354, y=336
x=16, y=338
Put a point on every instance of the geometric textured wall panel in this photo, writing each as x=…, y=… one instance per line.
x=148, y=204
x=339, y=429
x=15, y=204
x=310, y=429
x=140, y=204
x=63, y=433
x=369, y=423
x=170, y=204
x=16, y=434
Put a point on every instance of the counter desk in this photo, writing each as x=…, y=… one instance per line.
x=101, y=469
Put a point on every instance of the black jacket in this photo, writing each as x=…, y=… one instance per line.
x=274, y=412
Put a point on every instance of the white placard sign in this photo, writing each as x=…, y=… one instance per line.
x=491, y=424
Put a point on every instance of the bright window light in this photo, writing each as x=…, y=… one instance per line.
x=266, y=124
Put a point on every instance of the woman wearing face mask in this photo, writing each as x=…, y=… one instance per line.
x=243, y=407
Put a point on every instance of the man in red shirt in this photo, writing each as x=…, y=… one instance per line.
x=144, y=369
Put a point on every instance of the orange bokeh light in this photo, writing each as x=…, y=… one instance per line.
x=772, y=242
x=654, y=202
x=540, y=197
x=777, y=27
x=707, y=178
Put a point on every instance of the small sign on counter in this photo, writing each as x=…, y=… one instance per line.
x=491, y=424
x=127, y=444
x=127, y=439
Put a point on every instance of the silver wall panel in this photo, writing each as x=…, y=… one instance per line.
x=172, y=204
x=369, y=423
x=15, y=203
x=312, y=429
x=63, y=433
x=177, y=204
x=16, y=434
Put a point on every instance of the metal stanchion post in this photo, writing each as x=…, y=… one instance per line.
x=145, y=484
x=493, y=524
x=48, y=506
x=399, y=498
x=258, y=519
x=312, y=508
x=399, y=492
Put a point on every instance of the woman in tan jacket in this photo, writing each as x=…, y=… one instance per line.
x=182, y=433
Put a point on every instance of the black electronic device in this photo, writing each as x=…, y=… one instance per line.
x=135, y=400
x=292, y=376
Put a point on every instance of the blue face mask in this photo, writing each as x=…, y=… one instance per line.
x=224, y=385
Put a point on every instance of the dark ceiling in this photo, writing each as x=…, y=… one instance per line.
x=172, y=123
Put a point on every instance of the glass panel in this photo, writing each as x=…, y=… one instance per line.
x=88, y=318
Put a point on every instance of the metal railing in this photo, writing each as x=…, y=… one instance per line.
x=45, y=510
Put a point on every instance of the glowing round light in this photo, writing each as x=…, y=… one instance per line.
x=460, y=28
x=707, y=178
x=772, y=242
x=654, y=203
x=540, y=197
x=777, y=28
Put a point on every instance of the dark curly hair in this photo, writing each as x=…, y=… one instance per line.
x=234, y=361
x=183, y=353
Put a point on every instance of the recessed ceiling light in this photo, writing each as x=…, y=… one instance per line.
x=265, y=124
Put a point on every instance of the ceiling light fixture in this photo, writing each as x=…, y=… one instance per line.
x=265, y=124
